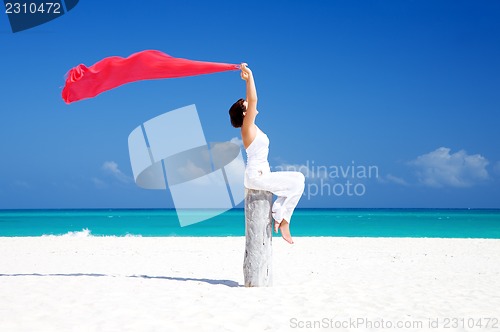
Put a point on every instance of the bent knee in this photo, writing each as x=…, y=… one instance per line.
x=300, y=181
x=301, y=177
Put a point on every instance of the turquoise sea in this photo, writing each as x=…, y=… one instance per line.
x=447, y=223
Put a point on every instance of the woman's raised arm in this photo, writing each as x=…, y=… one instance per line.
x=251, y=113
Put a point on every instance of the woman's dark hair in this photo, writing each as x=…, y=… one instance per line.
x=236, y=113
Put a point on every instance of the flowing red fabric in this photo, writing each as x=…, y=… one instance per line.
x=87, y=82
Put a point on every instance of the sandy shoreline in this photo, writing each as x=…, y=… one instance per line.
x=151, y=284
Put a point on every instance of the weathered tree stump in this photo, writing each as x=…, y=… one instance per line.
x=257, y=264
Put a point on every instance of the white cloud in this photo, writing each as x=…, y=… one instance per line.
x=99, y=183
x=496, y=168
x=226, y=151
x=190, y=170
x=111, y=167
x=198, y=176
x=237, y=140
x=439, y=168
x=395, y=179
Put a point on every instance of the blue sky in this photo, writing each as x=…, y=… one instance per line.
x=411, y=88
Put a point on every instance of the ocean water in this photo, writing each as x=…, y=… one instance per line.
x=446, y=223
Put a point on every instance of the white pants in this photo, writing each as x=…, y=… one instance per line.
x=288, y=186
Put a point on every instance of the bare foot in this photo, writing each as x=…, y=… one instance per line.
x=284, y=227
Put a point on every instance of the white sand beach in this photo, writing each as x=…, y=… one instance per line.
x=195, y=284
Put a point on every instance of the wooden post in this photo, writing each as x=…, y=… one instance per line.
x=257, y=265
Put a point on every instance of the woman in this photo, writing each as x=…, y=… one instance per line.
x=288, y=186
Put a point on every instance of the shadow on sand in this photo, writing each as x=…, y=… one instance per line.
x=229, y=283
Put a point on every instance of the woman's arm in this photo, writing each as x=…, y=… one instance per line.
x=251, y=113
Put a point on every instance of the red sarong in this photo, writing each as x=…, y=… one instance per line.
x=87, y=82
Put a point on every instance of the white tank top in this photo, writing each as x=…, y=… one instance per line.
x=257, y=153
